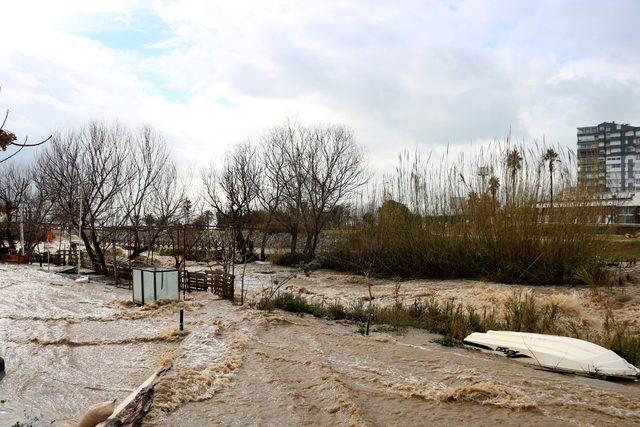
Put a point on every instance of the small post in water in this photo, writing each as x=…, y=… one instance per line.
x=182, y=319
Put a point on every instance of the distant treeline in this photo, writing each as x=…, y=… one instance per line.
x=505, y=214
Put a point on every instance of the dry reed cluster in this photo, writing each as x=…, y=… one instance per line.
x=508, y=215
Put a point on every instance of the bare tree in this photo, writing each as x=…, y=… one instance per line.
x=105, y=172
x=35, y=213
x=154, y=195
x=272, y=186
x=333, y=167
x=319, y=167
x=22, y=199
x=290, y=145
x=108, y=170
x=14, y=187
x=232, y=192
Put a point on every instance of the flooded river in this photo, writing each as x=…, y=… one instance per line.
x=69, y=345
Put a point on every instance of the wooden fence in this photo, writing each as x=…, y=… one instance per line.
x=64, y=257
x=69, y=257
x=220, y=283
x=14, y=258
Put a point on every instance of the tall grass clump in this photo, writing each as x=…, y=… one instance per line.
x=508, y=214
x=521, y=312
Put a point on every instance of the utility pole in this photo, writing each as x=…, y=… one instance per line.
x=22, y=252
x=115, y=261
x=81, y=190
x=483, y=171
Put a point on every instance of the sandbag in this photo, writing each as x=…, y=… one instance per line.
x=98, y=413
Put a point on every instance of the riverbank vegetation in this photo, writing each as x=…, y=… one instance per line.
x=504, y=213
x=521, y=312
x=491, y=218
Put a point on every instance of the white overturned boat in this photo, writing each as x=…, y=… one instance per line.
x=555, y=353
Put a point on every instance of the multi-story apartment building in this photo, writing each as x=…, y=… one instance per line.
x=609, y=157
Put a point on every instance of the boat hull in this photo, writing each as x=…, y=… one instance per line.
x=555, y=353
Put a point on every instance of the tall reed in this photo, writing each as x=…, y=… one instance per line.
x=489, y=217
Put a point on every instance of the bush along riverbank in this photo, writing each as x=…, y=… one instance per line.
x=521, y=312
x=508, y=215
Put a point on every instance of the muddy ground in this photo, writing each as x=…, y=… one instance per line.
x=69, y=345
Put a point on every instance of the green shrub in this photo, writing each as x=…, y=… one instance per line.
x=336, y=311
x=288, y=259
x=522, y=312
x=619, y=337
x=384, y=328
x=445, y=341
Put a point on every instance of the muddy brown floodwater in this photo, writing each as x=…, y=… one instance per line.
x=69, y=345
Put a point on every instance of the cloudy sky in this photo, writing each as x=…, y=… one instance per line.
x=402, y=74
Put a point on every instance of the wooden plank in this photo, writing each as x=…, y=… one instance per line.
x=149, y=382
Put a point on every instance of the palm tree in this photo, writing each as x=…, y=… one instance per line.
x=494, y=185
x=473, y=199
x=552, y=157
x=514, y=164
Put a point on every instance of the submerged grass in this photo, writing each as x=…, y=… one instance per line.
x=624, y=249
x=522, y=312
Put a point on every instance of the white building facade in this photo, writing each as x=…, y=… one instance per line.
x=609, y=158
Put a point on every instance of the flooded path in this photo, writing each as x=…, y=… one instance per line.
x=301, y=371
x=70, y=345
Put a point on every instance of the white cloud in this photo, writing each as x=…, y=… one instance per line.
x=403, y=75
